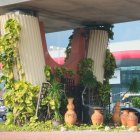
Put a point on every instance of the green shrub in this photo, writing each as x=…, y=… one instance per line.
x=22, y=101
x=136, y=102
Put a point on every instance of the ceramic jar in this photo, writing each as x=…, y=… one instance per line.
x=70, y=115
x=124, y=117
x=116, y=114
x=97, y=117
x=132, y=120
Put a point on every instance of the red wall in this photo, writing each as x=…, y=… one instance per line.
x=77, y=53
x=130, y=54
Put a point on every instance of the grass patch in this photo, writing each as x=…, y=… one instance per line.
x=47, y=126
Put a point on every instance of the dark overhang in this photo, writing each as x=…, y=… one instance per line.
x=68, y=14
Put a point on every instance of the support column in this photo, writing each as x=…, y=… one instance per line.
x=98, y=42
x=30, y=46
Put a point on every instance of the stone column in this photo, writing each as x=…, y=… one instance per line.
x=98, y=42
x=30, y=45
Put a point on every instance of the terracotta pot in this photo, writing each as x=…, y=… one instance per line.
x=124, y=117
x=56, y=123
x=116, y=118
x=116, y=113
x=70, y=105
x=70, y=115
x=97, y=117
x=132, y=120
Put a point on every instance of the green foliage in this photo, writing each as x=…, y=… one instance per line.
x=9, y=55
x=103, y=91
x=68, y=48
x=19, y=96
x=22, y=101
x=60, y=72
x=136, y=102
x=134, y=86
x=53, y=100
x=32, y=126
x=47, y=126
x=9, y=118
x=57, y=73
x=109, y=65
x=109, y=68
x=33, y=121
x=85, y=72
x=107, y=117
x=88, y=79
x=106, y=27
x=48, y=73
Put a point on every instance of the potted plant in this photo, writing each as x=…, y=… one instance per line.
x=58, y=98
x=57, y=118
x=54, y=100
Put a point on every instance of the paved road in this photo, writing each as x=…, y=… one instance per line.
x=70, y=135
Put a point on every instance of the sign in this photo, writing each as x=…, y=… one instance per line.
x=115, y=78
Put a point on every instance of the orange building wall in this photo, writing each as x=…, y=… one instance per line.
x=78, y=51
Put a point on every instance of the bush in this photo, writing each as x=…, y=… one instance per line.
x=136, y=102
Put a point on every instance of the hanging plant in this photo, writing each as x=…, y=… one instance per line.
x=109, y=65
x=106, y=27
x=19, y=95
x=88, y=79
x=85, y=72
x=104, y=93
x=105, y=88
x=62, y=72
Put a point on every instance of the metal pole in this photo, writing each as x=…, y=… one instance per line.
x=38, y=101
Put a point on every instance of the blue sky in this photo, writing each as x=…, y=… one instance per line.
x=126, y=31
x=59, y=39
x=122, y=32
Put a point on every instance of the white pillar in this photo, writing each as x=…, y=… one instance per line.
x=98, y=42
x=30, y=46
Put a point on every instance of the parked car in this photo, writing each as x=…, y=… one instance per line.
x=136, y=110
x=3, y=110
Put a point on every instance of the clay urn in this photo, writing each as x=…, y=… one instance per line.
x=116, y=114
x=70, y=116
x=132, y=120
x=124, y=117
x=97, y=117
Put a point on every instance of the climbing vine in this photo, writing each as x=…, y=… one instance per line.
x=105, y=27
x=104, y=88
x=109, y=68
x=19, y=95
x=109, y=65
x=85, y=72
x=9, y=56
x=68, y=48
x=88, y=79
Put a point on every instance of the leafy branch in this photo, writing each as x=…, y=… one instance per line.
x=19, y=96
